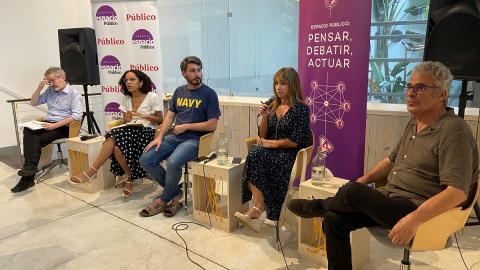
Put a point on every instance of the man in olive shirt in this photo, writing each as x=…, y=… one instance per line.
x=431, y=170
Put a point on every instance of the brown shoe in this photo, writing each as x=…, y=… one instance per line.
x=173, y=208
x=153, y=209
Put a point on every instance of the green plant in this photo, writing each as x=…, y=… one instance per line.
x=384, y=78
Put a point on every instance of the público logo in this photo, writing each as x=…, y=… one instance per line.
x=111, y=64
x=115, y=88
x=107, y=14
x=144, y=38
x=141, y=17
x=110, y=41
x=112, y=109
x=144, y=67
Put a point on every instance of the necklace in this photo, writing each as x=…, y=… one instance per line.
x=283, y=111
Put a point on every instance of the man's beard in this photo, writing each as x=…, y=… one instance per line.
x=195, y=81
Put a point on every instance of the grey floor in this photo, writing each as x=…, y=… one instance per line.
x=10, y=156
x=56, y=226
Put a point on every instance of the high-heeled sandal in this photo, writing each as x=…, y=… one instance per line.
x=89, y=178
x=129, y=181
x=253, y=224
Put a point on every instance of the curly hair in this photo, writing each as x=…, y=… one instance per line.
x=443, y=76
x=142, y=77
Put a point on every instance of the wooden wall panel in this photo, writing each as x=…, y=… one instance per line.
x=382, y=135
x=234, y=123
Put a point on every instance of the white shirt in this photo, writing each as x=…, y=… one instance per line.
x=150, y=105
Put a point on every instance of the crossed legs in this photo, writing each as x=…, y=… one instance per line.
x=354, y=206
x=35, y=140
x=108, y=148
x=258, y=202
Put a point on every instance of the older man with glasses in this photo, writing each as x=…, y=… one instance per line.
x=431, y=170
x=64, y=103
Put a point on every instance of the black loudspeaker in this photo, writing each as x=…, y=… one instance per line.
x=78, y=55
x=453, y=37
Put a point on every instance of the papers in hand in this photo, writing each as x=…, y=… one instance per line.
x=134, y=123
x=33, y=125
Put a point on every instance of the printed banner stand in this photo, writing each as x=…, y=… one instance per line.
x=127, y=38
x=333, y=53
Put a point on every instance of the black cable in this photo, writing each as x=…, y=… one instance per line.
x=181, y=226
x=279, y=241
x=458, y=246
x=174, y=226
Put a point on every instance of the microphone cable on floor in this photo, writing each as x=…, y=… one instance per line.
x=458, y=246
x=181, y=226
x=279, y=241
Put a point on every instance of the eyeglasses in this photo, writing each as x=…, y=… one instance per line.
x=417, y=88
x=125, y=80
x=51, y=81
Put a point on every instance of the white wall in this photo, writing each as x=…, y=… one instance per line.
x=29, y=45
x=236, y=51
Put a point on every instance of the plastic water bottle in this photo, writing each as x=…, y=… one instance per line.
x=222, y=150
x=318, y=168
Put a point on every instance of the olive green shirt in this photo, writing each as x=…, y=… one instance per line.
x=425, y=163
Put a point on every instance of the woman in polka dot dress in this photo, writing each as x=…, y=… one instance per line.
x=284, y=130
x=124, y=145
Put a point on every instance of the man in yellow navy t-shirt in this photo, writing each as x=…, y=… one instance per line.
x=195, y=109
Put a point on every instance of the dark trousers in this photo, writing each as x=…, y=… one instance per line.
x=353, y=207
x=35, y=140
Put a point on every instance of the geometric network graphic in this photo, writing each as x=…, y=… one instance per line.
x=327, y=103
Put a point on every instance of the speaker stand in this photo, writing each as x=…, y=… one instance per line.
x=462, y=103
x=91, y=123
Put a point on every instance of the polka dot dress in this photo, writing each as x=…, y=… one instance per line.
x=269, y=169
x=131, y=141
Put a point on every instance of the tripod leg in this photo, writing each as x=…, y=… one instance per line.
x=92, y=124
x=83, y=118
x=95, y=123
x=89, y=122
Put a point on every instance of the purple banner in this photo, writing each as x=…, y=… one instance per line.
x=333, y=53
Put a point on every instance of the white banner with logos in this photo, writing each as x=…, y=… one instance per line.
x=128, y=38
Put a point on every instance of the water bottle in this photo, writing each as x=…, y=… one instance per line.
x=222, y=150
x=318, y=168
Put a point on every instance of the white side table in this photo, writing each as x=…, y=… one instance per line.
x=359, y=239
x=222, y=195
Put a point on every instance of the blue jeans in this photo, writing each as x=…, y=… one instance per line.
x=177, y=152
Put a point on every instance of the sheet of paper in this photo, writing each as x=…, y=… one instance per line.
x=33, y=125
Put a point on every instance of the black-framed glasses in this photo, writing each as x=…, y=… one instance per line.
x=417, y=88
x=125, y=80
